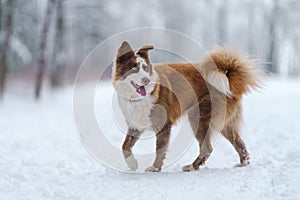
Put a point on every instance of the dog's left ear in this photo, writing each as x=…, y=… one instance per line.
x=143, y=52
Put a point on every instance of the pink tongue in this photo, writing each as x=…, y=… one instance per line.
x=142, y=91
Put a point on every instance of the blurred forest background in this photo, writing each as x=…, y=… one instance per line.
x=43, y=42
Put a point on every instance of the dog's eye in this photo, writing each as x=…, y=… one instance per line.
x=146, y=68
x=134, y=68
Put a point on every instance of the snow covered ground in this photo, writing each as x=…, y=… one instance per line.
x=41, y=156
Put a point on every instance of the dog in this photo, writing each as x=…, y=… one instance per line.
x=154, y=96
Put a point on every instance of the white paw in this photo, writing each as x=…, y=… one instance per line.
x=132, y=163
x=188, y=168
x=245, y=162
x=152, y=169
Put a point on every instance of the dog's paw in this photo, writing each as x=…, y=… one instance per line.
x=245, y=160
x=152, y=169
x=188, y=168
x=132, y=163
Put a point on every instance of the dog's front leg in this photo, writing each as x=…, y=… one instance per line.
x=162, y=143
x=131, y=138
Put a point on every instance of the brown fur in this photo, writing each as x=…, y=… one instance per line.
x=182, y=88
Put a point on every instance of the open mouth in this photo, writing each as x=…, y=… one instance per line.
x=139, y=88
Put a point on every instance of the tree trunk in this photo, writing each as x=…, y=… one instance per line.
x=9, y=30
x=222, y=23
x=272, y=56
x=0, y=16
x=251, y=13
x=58, y=59
x=42, y=49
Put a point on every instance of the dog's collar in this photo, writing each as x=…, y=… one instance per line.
x=133, y=100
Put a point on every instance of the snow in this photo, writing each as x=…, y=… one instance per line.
x=41, y=156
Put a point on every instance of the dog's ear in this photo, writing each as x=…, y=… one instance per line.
x=143, y=52
x=124, y=52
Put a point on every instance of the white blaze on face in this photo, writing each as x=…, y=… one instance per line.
x=137, y=77
x=145, y=73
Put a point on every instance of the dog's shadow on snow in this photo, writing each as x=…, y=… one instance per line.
x=177, y=172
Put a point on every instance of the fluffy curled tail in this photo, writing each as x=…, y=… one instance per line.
x=230, y=72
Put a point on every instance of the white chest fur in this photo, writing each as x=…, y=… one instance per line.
x=137, y=113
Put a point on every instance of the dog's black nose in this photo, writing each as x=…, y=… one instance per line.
x=145, y=81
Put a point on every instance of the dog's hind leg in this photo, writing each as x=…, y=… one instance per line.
x=131, y=138
x=231, y=133
x=201, y=130
x=233, y=136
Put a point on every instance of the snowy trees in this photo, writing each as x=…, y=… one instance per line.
x=268, y=29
